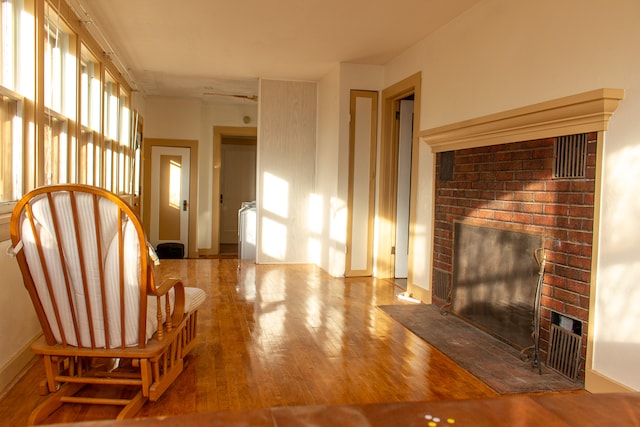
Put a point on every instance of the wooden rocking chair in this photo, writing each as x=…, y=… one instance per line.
x=106, y=321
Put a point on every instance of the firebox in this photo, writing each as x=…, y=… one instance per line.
x=495, y=274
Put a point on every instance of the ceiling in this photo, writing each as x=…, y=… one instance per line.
x=196, y=48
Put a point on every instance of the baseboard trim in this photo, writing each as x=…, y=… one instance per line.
x=202, y=252
x=596, y=382
x=13, y=370
x=415, y=291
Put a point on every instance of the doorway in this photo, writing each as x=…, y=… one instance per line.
x=237, y=186
x=170, y=170
x=404, y=117
x=169, y=192
x=232, y=136
x=397, y=169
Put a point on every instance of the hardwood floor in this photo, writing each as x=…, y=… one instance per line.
x=283, y=335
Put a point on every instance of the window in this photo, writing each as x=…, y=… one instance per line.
x=108, y=164
x=17, y=52
x=89, y=170
x=11, y=150
x=81, y=131
x=125, y=151
x=58, y=145
x=59, y=66
x=111, y=110
x=89, y=90
x=56, y=150
x=17, y=82
x=9, y=49
x=136, y=139
x=90, y=116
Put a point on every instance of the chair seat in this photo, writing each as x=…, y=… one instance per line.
x=194, y=297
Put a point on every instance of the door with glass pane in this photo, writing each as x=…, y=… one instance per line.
x=169, y=196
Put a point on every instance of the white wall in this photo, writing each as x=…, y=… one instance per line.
x=329, y=222
x=20, y=324
x=504, y=54
x=173, y=118
x=420, y=272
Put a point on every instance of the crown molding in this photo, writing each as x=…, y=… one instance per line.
x=581, y=113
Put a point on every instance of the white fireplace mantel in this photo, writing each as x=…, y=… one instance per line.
x=581, y=113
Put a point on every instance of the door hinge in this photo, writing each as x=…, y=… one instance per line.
x=393, y=250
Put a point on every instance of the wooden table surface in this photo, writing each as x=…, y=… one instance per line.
x=618, y=409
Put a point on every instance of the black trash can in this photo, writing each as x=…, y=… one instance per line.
x=170, y=250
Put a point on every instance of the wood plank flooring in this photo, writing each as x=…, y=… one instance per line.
x=283, y=335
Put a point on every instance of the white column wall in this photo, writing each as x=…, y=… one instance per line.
x=329, y=226
x=286, y=170
x=332, y=174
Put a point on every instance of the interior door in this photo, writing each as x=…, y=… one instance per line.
x=405, y=141
x=238, y=184
x=169, y=196
x=362, y=158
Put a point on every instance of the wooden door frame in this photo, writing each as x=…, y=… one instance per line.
x=218, y=133
x=148, y=144
x=353, y=95
x=388, y=175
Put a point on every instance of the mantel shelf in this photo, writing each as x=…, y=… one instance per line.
x=585, y=112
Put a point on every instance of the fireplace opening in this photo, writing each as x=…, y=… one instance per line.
x=495, y=276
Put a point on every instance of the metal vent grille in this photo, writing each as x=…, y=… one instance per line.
x=570, y=156
x=441, y=284
x=564, y=352
x=447, y=165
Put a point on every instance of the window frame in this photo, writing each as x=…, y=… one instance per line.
x=99, y=127
x=17, y=140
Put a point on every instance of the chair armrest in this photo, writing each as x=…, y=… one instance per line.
x=163, y=290
x=179, y=304
x=165, y=286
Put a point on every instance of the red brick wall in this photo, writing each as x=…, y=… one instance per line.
x=512, y=186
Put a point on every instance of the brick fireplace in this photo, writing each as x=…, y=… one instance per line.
x=502, y=172
x=513, y=187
